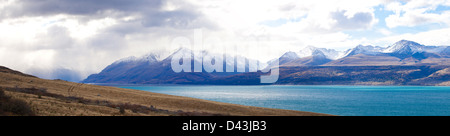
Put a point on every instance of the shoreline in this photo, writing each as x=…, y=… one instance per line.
x=119, y=84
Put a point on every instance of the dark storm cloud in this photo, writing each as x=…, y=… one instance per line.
x=150, y=12
x=79, y=7
x=182, y=18
x=136, y=25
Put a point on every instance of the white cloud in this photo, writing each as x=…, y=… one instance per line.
x=432, y=37
x=87, y=38
x=384, y=31
x=415, y=13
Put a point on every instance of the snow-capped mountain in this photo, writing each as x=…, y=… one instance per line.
x=151, y=68
x=400, y=48
x=290, y=55
x=154, y=68
x=405, y=47
x=126, y=60
x=413, y=52
x=312, y=51
x=228, y=60
x=307, y=56
x=318, y=58
x=285, y=58
x=150, y=58
x=361, y=49
x=184, y=52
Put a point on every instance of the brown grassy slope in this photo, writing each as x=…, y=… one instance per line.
x=13, y=107
x=50, y=106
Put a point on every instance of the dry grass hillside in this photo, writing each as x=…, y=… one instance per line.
x=23, y=94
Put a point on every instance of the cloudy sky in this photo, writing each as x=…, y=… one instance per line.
x=72, y=39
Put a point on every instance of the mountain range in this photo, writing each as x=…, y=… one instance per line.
x=152, y=69
x=400, y=53
x=310, y=65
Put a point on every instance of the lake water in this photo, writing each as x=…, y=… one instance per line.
x=337, y=100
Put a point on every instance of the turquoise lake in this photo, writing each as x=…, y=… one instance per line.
x=336, y=100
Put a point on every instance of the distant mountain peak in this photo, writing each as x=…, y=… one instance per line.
x=127, y=59
x=407, y=42
x=410, y=44
x=405, y=47
x=151, y=57
x=182, y=49
x=364, y=49
x=290, y=54
x=315, y=51
x=318, y=53
x=307, y=51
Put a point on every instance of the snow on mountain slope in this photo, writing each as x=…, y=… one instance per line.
x=236, y=61
x=149, y=57
x=311, y=51
x=361, y=49
x=290, y=55
x=125, y=60
x=196, y=56
x=405, y=47
x=402, y=49
x=285, y=58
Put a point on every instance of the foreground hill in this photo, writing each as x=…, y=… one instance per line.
x=61, y=98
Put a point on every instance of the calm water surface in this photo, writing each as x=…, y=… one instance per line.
x=337, y=100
